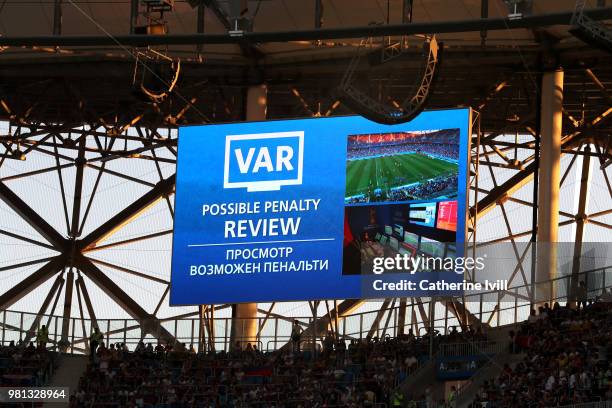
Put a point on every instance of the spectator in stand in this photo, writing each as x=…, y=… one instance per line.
x=296, y=336
x=28, y=366
x=452, y=397
x=42, y=337
x=328, y=343
x=582, y=295
x=140, y=348
x=94, y=340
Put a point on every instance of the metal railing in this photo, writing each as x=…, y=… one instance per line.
x=597, y=404
x=471, y=349
x=494, y=307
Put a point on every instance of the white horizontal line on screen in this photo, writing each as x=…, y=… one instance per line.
x=261, y=242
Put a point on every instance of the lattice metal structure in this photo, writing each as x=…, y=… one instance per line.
x=87, y=168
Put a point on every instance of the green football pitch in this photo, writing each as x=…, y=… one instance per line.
x=365, y=175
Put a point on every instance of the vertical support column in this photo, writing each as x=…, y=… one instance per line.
x=581, y=219
x=200, y=29
x=238, y=10
x=549, y=181
x=432, y=324
x=78, y=190
x=211, y=331
x=401, y=317
x=57, y=17
x=133, y=16
x=244, y=325
x=257, y=103
x=64, y=343
x=484, y=13
x=244, y=316
x=407, y=11
x=318, y=14
x=201, y=330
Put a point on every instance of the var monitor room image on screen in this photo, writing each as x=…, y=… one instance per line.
x=431, y=247
x=447, y=215
x=423, y=214
x=411, y=239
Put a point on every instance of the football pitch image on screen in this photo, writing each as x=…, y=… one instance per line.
x=402, y=166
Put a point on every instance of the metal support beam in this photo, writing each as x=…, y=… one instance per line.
x=200, y=19
x=424, y=318
x=461, y=312
x=133, y=15
x=484, y=13
x=64, y=343
x=201, y=329
x=599, y=85
x=248, y=48
x=31, y=217
x=265, y=320
x=11, y=296
x=378, y=318
x=57, y=296
x=90, y=310
x=130, y=212
x=581, y=219
x=407, y=8
x=238, y=11
x=78, y=189
x=490, y=24
x=57, y=17
x=45, y=305
x=148, y=323
x=401, y=317
x=321, y=324
x=318, y=21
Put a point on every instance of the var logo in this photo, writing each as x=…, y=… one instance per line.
x=263, y=162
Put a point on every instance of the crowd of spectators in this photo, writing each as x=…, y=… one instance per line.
x=27, y=366
x=358, y=374
x=430, y=189
x=566, y=360
x=435, y=188
x=443, y=142
x=440, y=150
x=343, y=374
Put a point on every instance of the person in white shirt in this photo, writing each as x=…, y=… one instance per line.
x=550, y=383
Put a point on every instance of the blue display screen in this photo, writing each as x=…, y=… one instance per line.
x=292, y=210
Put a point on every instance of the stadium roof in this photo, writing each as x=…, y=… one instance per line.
x=301, y=73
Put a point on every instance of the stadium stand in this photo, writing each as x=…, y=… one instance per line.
x=438, y=149
x=25, y=366
x=363, y=374
x=441, y=144
x=564, y=360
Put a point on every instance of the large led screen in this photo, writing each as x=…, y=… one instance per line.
x=305, y=209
